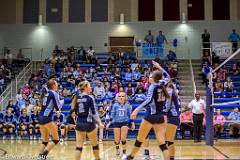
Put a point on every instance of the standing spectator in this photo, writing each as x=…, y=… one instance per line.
x=198, y=107
x=206, y=40
x=218, y=121
x=160, y=43
x=234, y=125
x=234, y=38
x=228, y=85
x=149, y=38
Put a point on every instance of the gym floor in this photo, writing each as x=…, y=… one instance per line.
x=185, y=149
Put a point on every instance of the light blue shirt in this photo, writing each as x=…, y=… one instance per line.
x=234, y=37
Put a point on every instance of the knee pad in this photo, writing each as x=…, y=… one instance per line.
x=96, y=147
x=123, y=142
x=168, y=143
x=163, y=147
x=116, y=143
x=138, y=143
x=55, y=141
x=45, y=143
x=79, y=149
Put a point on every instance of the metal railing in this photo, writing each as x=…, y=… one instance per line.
x=17, y=83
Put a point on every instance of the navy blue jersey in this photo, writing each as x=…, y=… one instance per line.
x=51, y=101
x=121, y=113
x=59, y=119
x=70, y=120
x=155, y=101
x=172, y=106
x=85, y=108
x=24, y=119
x=1, y=117
x=9, y=119
x=34, y=118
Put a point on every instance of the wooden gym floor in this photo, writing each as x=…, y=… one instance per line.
x=185, y=149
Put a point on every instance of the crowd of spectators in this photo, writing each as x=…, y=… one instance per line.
x=117, y=73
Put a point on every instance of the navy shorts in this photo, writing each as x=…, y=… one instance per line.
x=155, y=118
x=120, y=124
x=173, y=120
x=85, y=126
x=44, y=120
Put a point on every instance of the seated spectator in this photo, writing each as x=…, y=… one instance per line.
x=19, y=54
x=136, y=74
x=219, y=86
x=129, y=90
x=218, y=121
x=26, y=90
x=215, y=58
x=173, y=73
x=14, y=108
x=228, y=85
x=221, y=75
x=99, y=91
x=28, y=106
x=186, y=122
x=23, y=123
x=90, y=52
x=171, y=56
x=234, y=70
x=140, y=96
x=206, y=58
x=128, y=75
x=234, y=125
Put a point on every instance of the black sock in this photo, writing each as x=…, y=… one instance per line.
x=146, y=152
x=124, y=151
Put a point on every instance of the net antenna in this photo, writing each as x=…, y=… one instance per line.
x=211, y=79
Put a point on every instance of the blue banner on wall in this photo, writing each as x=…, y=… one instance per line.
x=152, y=50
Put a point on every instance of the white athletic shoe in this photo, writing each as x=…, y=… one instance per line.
x=61, y=140
x=35, y=137
x=4, y=137
x=12, y=137
x=85, y=142
x=100, y=141
x=146, y=157
x=124, y=157
x=31, y=137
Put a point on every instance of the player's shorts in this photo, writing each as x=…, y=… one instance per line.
x=85, y=126
x=120, y=124
x=154, y=118
x=173, y=120
x=44, y=120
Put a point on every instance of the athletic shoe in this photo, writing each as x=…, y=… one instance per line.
x=100, y=141
x=126, y=157
x=4, y=137
x=31, y=137
x=118, y=152
x=61, y=140
x=147, y=157
x=85, y=142
x=12, y=137
x=35, y=137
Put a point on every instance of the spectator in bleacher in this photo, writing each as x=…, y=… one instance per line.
x=221, y=75
x=215, y=58
x=206, y=40
x=2, y=83
x=19, y=54
x=218, y=86
x=26, y=90
x=234, y=38
x=128, y=75
x=206, y=69
x=228, y=85
x=161, y=39
x=23, y=123
x=234, y=125
x=8, y=56
x=218, y=121
x=173, y=73
x=99, y=91
x=9, y=124
x=149, y=38
x=206, y=57
x=198, y=107
x=28, y=106
x=140, y=86
x=59, y=120
x=136, y=74
x=140, y=96
x=186, y=122
x=90, y=52
x=14, y=108
x=129, y=90
x=1, y=120
x=234, y=70
x=81, y=54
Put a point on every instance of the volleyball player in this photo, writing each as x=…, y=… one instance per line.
x=87, y=116
x=34, y=122
x=24, y=122
x=154, y=117
x=9, y=123
x=172, y=111
x=1, y=121
x=70, y=123
x=120, y=118
x=59, y=119
x=50, y=102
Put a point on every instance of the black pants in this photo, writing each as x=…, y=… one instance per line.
x=197, y=126
x=234, y=46
x=186, y=127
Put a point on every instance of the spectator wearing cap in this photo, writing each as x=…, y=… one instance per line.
x=198, y=107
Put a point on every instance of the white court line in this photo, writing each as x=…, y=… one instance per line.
x=104, y=152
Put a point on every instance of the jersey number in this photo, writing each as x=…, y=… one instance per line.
x=80, y=108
